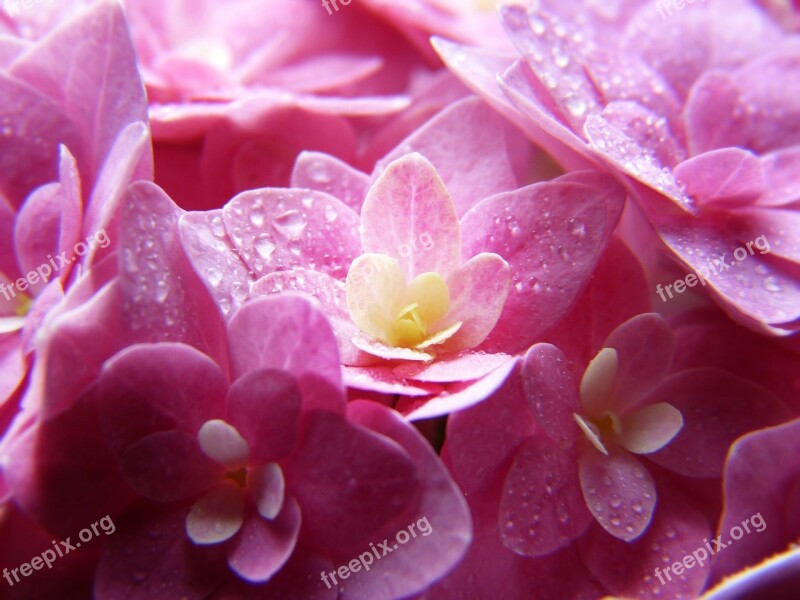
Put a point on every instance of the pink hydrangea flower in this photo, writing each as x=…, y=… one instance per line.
x=703, y=138
x=423, y=288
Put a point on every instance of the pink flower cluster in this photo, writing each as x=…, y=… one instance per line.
x=395, y=263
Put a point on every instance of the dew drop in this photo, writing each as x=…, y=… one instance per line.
x=771, y=284
x=291, y=224
x=330, y=214
x=214, y=276
x=264, y=246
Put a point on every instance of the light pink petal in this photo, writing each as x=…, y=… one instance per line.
x=409, y=215
x=72, y=204
x=645, y=345
x=12, y=366
x=288, y=332
x=619, y=491
x=552, y=235
x=264, y=407
x=89, y=66
x=466, y=366
x=268, y=487
x=552, y=392
x=217, y=516
x=169, y=465
x=37, y=231
x=478, y=291
x=147, y=388
x=630, y=569
x=279, y=229
x=781, y=170
x=650, y=428
x=138, y=565
x=324, y=72
x=542, y=509
x=717, y=408
x=8, y=258
x=348, y=480
x=383, y=380
x=761, y=483
x=429, y=556
x=378, y=349
x=468, y=145
x=262, y=547
x=215, y=259
x=722, y=179
x=329, y=292
x=328, y=174
x=459, y=396
x=221, y=442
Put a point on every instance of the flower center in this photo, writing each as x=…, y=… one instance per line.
x=239, y=477
x=23, y=305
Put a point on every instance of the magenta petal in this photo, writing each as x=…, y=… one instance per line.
x=619, y=492
x=279, y=229
x=348, y=480
x=717, y=407
x=462, y=367
x=552, y=235
x=264, y=406
x=409, y=215
x=168, y=466
x=325, y=173
x=263, y=547
x=552, y=392
x=542, y=508
x=288, y=332
x=148, y=388
x=149, y=557
x=645, y=345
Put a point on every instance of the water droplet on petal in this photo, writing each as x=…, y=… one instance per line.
x=291, y=224
x=214, y=276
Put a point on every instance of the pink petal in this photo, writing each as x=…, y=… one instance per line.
x=12, y=366
x=542, y=508
x=264, y=407
x=650, y=428
x=717, y=407
x=378, y=349
x=347, y=480
x=714, y=95
x=262, y=547
x=328, y=174
x=480, y=167
x=222, y=443
x=552, y=392
x=329, y=292
x=645, y=345
x=268, y=488
x=429, y=556
x=149, y=388
x=149, y=557
x=630, y=569
x=478, y=291
x=461, y=395
x=83, y=62
x=279, y=229
x=465, y=366
x=37, y=230
x=724, y=178
x=217, y=516
x=409, y=215
x=215, y=259
x=479, y=455
x=288, y=332
x=619, y=492
x=768, y=457
x=552, y=236
x=169, y=465
x=383, y=380
x=776, y=577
